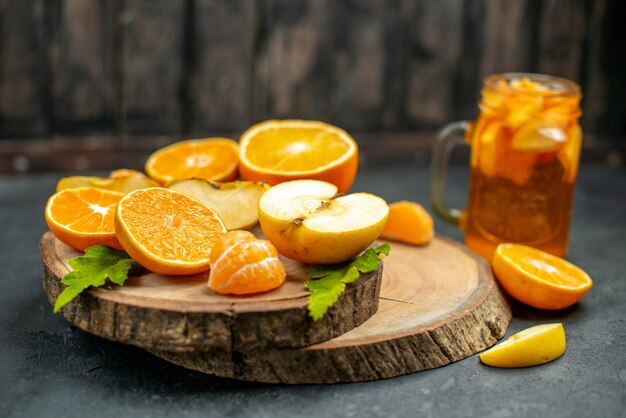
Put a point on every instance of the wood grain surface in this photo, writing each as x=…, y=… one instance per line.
x=206, y=67
x=438, y=304
x=181, y=314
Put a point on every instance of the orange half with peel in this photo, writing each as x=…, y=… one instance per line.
x=539, y=279
x=83, y=217
x=167, y=232
x=276, y=151
x=210, y=159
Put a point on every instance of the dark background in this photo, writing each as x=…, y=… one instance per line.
x=80, y=77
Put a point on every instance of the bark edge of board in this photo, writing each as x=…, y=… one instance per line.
x=227, y=331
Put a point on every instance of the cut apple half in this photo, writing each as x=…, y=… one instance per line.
x=308, y=221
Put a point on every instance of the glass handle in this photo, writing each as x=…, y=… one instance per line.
x=451, y=135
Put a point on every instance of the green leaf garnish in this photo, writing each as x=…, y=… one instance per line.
x=330, y=280
x=93, y=269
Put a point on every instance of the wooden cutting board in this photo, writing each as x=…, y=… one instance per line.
x=181, y=314
x=438, y=304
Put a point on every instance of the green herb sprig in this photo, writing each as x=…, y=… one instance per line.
x=93, y=269
x=330, y=280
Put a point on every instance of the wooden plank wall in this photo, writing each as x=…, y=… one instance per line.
x=199, y=67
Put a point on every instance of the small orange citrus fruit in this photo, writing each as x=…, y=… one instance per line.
x=167, y=232
x=275, y=151
x=244, y=265
x=409, y=222
x=83, y=217
x=539, y=279
x=210, y=159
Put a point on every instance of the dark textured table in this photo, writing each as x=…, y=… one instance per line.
x=49, y=368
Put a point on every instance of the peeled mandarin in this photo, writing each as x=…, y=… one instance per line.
x=243, y=264
x=167, y=232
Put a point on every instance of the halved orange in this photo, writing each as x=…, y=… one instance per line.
x=167, y=232
x=83, y=217
x=539, y=279
x=409, y=222
x=275, y=151
x=210, y=159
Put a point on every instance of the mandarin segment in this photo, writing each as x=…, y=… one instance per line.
x=410, y=223
x=276, y=151
x=539, y=279
x=83, y=217
x=244, y=265
x=167, y=232
x=210, y=159
x=227, y=240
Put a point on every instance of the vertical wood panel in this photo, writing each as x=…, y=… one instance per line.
x=292, y=69
x=469, y=75
x=152, y=64
x=359, y=56
x=220, y=89
x=510, y=36
x=22, y=68
x=604, y=101
x=435, y=42
x=81, y=66
x=562, y=34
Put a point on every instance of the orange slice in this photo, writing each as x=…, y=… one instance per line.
x=83, y=217
x=245, y=265
x=275, y=151
x=210, y=159
x=409, y=222
x=539, y=279
x=167, y=232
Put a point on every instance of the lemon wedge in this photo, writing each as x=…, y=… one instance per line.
x=533, y=346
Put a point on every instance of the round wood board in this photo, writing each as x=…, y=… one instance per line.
x=438, y=304
x=181, y=314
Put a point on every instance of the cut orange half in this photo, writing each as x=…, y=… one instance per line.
x=83, y=217
x=167, y=232
x=275, y=151
x=537, y=278
x=210, y=159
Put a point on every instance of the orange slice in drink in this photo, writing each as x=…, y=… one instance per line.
x=210, y=159
x=83, y=217
x=539, y=136
x=408, y=222
x=275, y=151
x=167, y=232
x=539, y=279
x=243, y=265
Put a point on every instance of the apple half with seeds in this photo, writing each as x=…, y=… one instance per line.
x=308, y=221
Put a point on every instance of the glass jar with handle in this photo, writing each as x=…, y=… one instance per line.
x=525, y=147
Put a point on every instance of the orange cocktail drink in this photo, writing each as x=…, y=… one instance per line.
x=524, y=159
